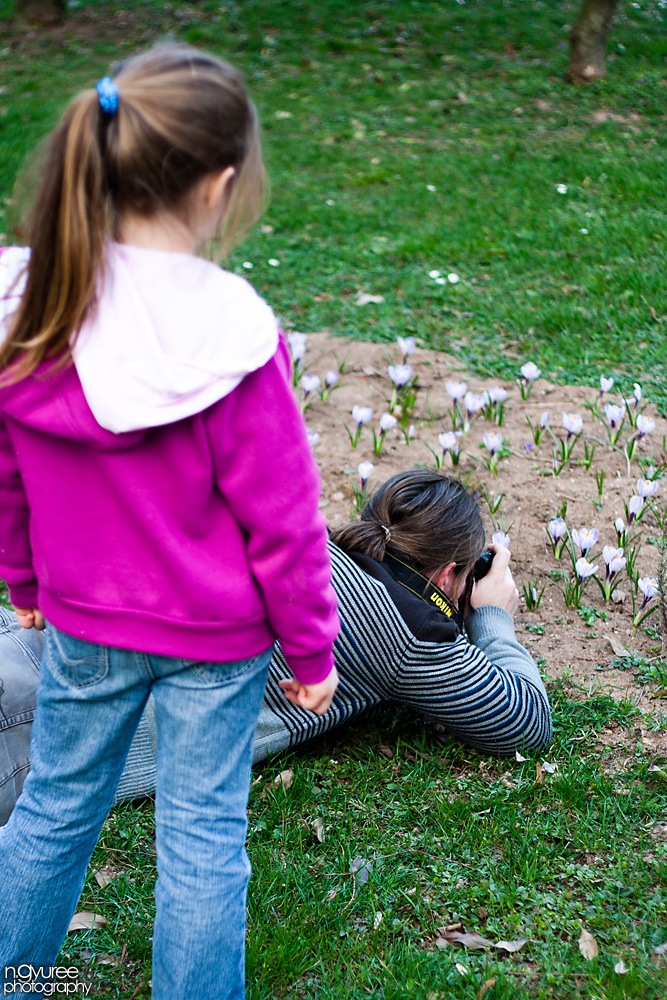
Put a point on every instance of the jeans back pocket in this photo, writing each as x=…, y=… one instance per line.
x=77, y=662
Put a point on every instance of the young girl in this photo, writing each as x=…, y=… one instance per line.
x=158, y=505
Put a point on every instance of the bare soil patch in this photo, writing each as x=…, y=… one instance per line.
x=570, y=648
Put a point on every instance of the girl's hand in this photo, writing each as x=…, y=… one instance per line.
x=30, y=618
x=315, y=697
x=497, y=587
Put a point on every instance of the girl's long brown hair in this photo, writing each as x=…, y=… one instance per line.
x=431, y=520
x=182, y=115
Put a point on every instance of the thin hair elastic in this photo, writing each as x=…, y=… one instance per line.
x=387, y=532
x=108, y=95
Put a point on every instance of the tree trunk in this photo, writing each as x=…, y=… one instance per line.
x=35, y=12
x=588, y=40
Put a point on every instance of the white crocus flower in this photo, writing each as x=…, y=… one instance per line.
x=557, y=528
x=310, y=383
x=406, y=346
x=616, y=565
x=584, y=569
x=456, y=390
x=635, y=505
x=297, y=343
x=331, y=377
x=573, y=423
x=387, y=422
x=619, y=525
x=609, y=553
x=649, y=588
x=361, y=415
x=585, y=539
x=646, y=488
x=530, y=371
x=313, y=437
x=637, y=393
x=497, y=394
x=606, y=384
x=399, y=374
x=473, y=402
x=448, y=441
x=365, y=470
x=545, y=420
x=492, y=442
x=645, y=425
x=613, y=413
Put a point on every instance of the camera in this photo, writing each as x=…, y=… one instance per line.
x=483, y=565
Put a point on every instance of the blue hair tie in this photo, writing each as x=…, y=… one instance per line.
x=108, y=94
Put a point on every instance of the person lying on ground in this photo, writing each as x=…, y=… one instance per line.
x=398, y=572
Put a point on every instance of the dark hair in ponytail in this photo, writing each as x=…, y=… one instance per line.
x=182, y=114
x=422, y=517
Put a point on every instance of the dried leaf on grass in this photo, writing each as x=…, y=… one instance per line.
x=364, y=298
x=318, y=828
x=539, y=774
x=588, y=946
x=621, y=968
x=519, y=758
x=661, y=949
x=360, y=868
x=473, y=940
x=618, y=647
x=658, y=771
x=106, y=875
x=485, y=987
x=285, y=778
x=511, y=946
x=85, y=920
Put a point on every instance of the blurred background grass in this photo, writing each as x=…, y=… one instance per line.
x=368, y=107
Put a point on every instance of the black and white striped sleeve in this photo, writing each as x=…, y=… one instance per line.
x=487, y=692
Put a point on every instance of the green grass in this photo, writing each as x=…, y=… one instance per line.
x=448, y=837
x=468, y=98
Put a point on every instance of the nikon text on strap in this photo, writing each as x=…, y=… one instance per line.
x=420, y=585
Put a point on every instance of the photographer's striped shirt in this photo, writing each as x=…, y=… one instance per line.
x=393, y=648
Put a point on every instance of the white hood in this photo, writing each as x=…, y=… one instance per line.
x=171, y=335
x=13, y=263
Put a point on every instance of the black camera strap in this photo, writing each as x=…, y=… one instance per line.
x=420, y=585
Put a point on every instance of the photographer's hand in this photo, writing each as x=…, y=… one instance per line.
x=316, y=697
x=497, y=587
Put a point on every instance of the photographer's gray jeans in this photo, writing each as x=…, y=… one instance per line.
x=20, y=656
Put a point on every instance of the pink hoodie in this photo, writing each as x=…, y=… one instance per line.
x=199, y=538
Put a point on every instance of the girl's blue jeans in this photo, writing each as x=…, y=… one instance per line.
x=89, y=702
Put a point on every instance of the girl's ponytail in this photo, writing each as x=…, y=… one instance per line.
x=67, y=227
x=180, y=115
